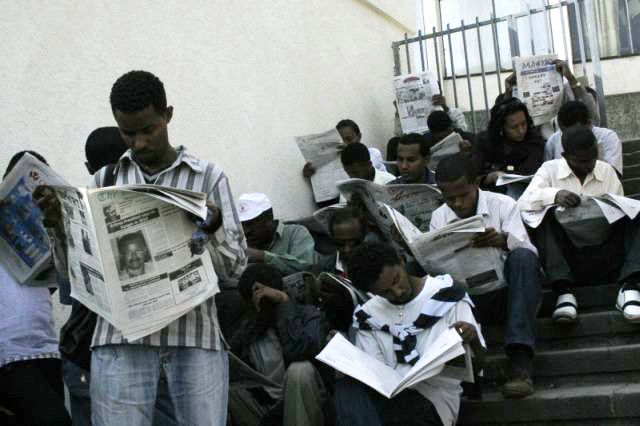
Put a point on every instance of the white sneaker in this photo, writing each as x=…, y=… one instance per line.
x=566, y=308
x=628, y=302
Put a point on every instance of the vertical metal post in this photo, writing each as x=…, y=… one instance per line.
x=592, y=27
x=530, y=22
x=424, y=28
x=406, y=50
x=435, y=49
x=629, y=32
x=496, y=49
x=453, y=68
x=484, y=82
x=514, y=43
x=466, y=66
x=564, y=39
x=549, y=25
x=421, y=49
x=396, y=58
x=583, y=59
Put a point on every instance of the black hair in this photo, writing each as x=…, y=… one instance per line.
x=104, y=146
x=415, y=139
x=573, y=112
x=455, y=166
x=578, y=138
x=354, y=153
x=348, y=123
x=17, y=156
x=439, y=121
x=346, y=214
x=258, y=272
x=499, y=114
x=136, y=90
x=367, y=262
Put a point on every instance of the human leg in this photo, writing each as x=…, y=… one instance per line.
x=354, y=404
x=628, y=300
x=77, y=381
x=304, y=395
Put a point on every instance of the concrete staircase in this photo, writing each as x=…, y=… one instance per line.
x=587, y=373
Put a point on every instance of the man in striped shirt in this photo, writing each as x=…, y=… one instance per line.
x=189, y=351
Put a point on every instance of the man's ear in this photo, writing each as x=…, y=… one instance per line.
x=168, y=114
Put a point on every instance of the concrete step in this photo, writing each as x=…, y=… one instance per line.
x=597, y=404
x=631, y=172
x=631, y=186
x=588, y=297
x=631, y=158
x=631, y=145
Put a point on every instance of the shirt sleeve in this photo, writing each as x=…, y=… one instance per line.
x=612, y=151
x=299, y=256
x=539, y=193
x=512, y=225
x=299, y=331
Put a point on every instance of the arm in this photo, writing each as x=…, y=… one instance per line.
x=299, y=256
x=539, y=193
x=299, y=330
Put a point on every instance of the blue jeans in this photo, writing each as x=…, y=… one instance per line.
x=124, y=384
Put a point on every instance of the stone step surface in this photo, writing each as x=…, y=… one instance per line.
x=631, y=158
x=631, y=145
x=631, y=186
x=631, y=172
x=588, y=297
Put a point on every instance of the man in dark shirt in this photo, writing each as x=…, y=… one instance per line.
x=412, y=159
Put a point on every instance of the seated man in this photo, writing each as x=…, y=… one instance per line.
x=403, y=301
x=287, y=247
x=412, y=159
x=516, y=304
x=562, y=182
x=576, y=113
x=277, y=338
x=441, y=126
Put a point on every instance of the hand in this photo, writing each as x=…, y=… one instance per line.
x=254, y=255
x=563, y=68
x=466, y=331
x=308, y=170
x=465, y=146
x=490, y=238
x=439, y=100
x=492, y=178
x=567, y=199
x=509, y=82
x=214, y=218
x=48, y=203
x=261, y=291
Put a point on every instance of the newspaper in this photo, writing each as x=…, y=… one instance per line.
x=509, y=178
x=415, y=201
x=24, y=243
x=128, y=254
x=322, y=150
x=446, y=147
x=449, y=250
x=540, y=86
x=413, y=97
x=357, y=296
x=297, y=286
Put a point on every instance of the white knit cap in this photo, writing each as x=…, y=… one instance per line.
x=252, y=205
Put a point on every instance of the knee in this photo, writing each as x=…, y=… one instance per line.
x=522, y=256
x=301, y=373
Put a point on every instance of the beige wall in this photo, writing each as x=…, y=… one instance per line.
x=244, y=77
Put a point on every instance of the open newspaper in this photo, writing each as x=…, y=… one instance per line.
x=509, y=178
x=343, y=356
x=24, y=244
x=297, y=286
x=446, y=147
x=449, y=250
x=129, y=258
x=413, y=98
x=540, y=86
x=357, y=296
x=415, y=201
x=322, y=150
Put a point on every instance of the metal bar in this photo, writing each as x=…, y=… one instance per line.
x=530, y=22
x=453, y=69
x=592, y=27
x=421, y=50
x=395, y=47
x=626, y=9
x=564, y=39
x=496, y=52
x=435, y=49
x=583, y=59
x=466, y=66
x=424, y=28
x=484, y=82
x=549, y=25
x=406, y=49
x=514, y=43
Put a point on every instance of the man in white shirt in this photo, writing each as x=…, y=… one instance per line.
x=356, y=162
x=516, y=304
x=576, y=113
x=563, y=183
x=398, y=324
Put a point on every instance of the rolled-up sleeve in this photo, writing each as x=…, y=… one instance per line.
x=539, y=193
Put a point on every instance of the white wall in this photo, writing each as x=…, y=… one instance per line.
x=244, y=77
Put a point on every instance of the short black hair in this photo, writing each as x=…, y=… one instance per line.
x=367, y=262
x=136, y=90
x=258, y=272
x=439, y=121
x=499, y=114
x=104, y=146
x=578, y=138
x=354, y=153
x=17, y=156
x=415, y=139
x=346, y=214
x=455, y=166
x=348, y=123
x=573, y=112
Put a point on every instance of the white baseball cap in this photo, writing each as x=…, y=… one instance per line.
x=252, y=205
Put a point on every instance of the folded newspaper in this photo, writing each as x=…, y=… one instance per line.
x=24, y=243
x=449, y=250
x=540, y=86
x=343, y=356
x=413, y=98
x=509, y=178
x=128, y=254
x=446, y=147
x=322, y=150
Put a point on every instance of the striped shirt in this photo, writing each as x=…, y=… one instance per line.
x=198, y=328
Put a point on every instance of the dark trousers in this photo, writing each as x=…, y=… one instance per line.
x=567, y=265
x=34, y=392
x=359, y=405
x=515, y=305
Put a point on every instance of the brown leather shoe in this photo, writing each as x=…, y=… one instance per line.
x=519, y=383
x=518, y=388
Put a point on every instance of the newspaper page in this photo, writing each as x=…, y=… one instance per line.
x=585, y=224
x=129, y=256
x=24, y=243
x=413, y=97
x=509, y=178
x=446, y=147
x=298, y=285
x=322, y=150
x=540, y=86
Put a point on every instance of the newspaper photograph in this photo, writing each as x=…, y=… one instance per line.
x=322, y=150
x=128, y=254
x=449, y=250
x=297, y=286
x=540, y=86
x=413, y=98
x=446, y=147
x=24, y=243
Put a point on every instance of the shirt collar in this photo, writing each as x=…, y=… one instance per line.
x=194, y=163
x=481, y=208
x=564, y=171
